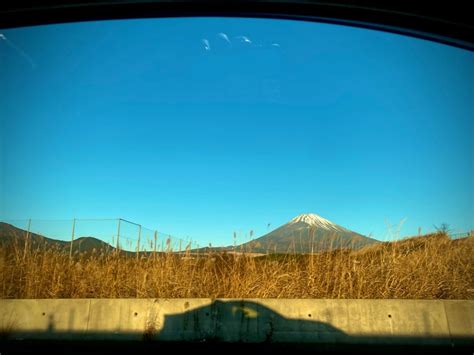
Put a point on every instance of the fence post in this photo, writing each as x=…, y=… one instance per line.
x=154, y=245
x=118, y=235
x=72, y=237
x=139, y=236
x=27, y=239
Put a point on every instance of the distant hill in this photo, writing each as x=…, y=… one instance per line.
x=11, y=236
x=307, y=233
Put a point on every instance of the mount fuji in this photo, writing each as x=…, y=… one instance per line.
x=307, y=233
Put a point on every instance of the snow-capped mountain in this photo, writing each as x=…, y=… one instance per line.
x=307, y=233
x=317, y=221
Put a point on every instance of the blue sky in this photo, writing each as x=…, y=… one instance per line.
x=200, y=127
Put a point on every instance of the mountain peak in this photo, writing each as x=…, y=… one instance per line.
x=315, y=221
x=307, y=233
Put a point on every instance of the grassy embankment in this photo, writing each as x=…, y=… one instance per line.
x=427, y=267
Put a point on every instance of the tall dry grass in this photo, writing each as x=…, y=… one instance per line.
x=428, y=267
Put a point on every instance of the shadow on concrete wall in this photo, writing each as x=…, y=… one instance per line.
x=221, y=326
x=242, y=321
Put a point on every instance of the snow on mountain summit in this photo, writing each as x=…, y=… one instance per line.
x=307, y=233
x=316, y=221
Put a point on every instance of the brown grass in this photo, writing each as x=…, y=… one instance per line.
x=427, y=267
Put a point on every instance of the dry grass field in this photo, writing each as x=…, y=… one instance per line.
x=426, y=267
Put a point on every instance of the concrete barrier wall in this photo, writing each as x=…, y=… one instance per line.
x=447, y=322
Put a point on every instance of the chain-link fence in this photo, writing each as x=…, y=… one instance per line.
x=118, y=234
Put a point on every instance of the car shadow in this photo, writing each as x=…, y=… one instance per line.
x=241, y=321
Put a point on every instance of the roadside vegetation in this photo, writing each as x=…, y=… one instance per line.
x=426, y=267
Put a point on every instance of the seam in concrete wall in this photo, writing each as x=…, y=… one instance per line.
x=88, y=316
x=449, y=327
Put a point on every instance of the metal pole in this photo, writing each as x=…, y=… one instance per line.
x=139, y=236
x=118, y=235
x=27, y=238
x=154, y=245
x=72, y=237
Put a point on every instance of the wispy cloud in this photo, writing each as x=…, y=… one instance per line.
x=244, y=39
x=18, y=49
x=206, y=43
x=224, y=37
